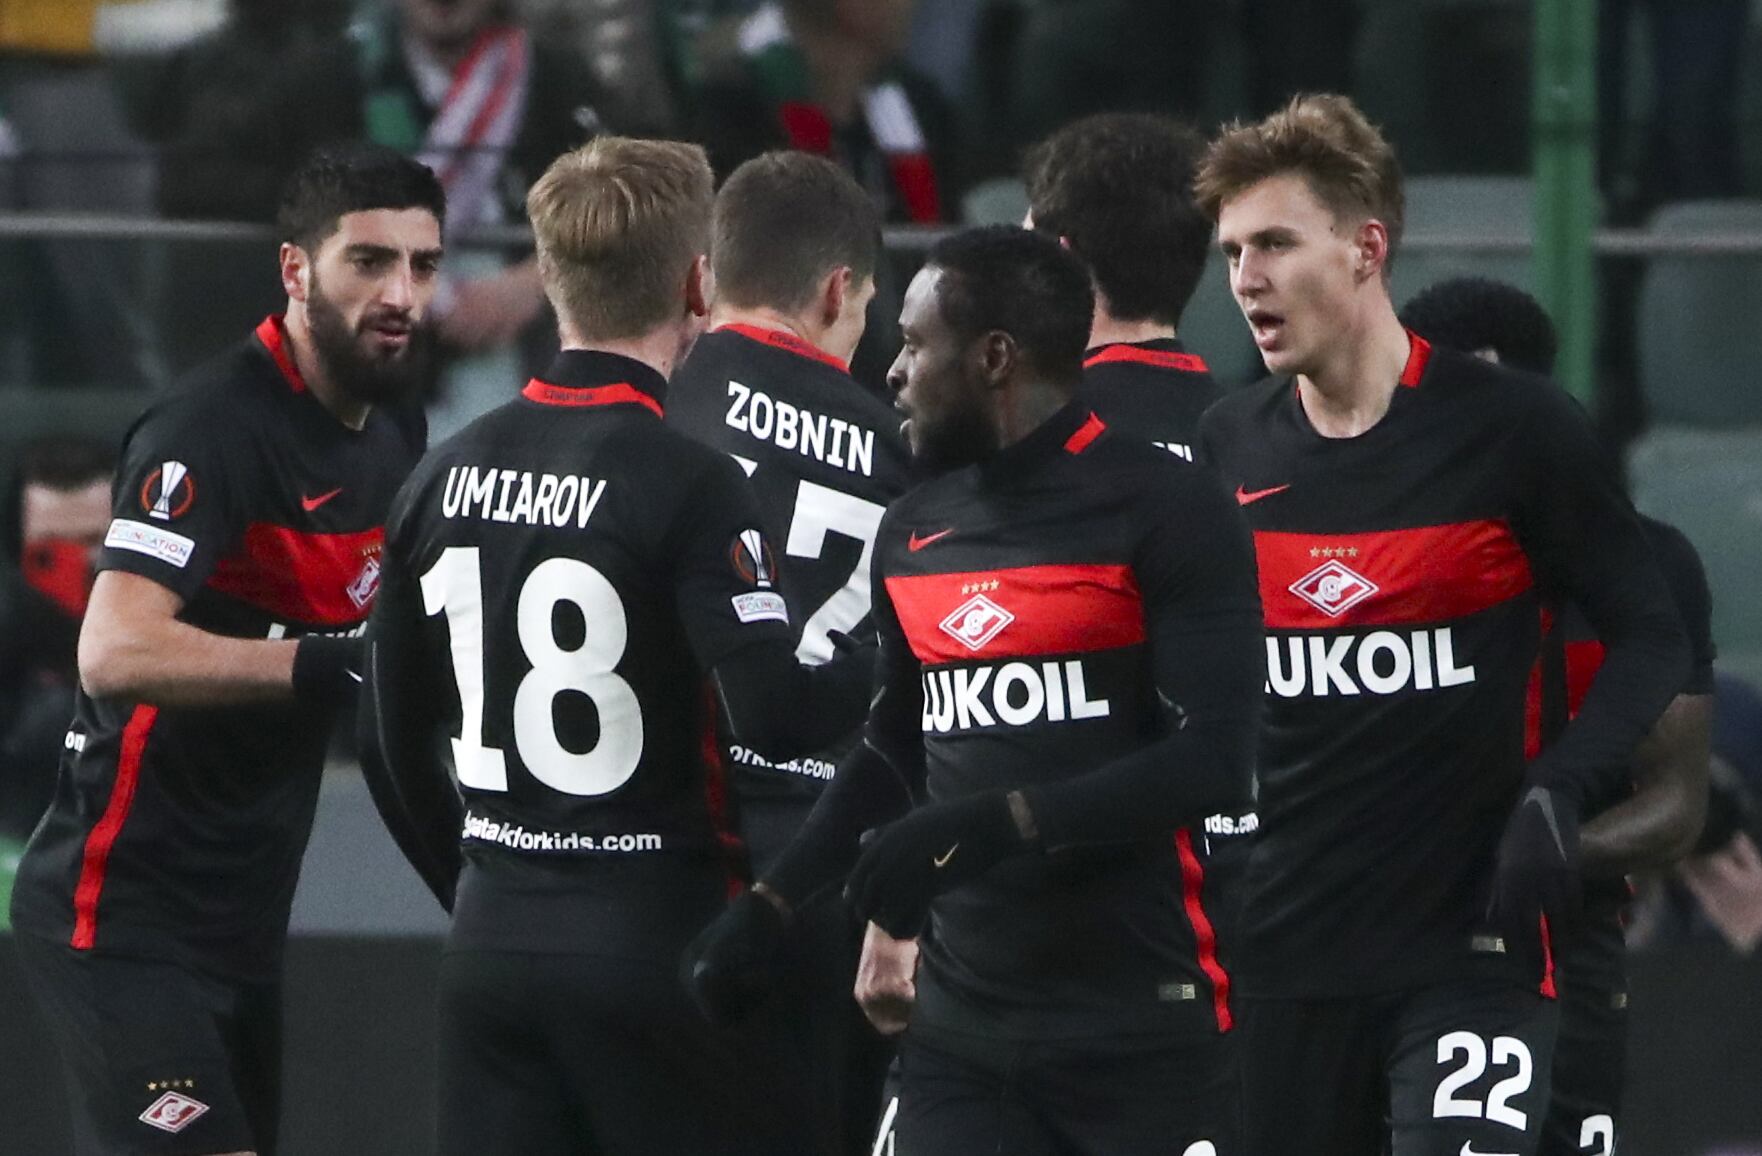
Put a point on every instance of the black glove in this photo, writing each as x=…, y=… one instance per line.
x=909, y=862
x=1536, y=875
x=732, y=965
x=327, y=670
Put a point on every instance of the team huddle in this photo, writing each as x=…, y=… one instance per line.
x=1165, y=770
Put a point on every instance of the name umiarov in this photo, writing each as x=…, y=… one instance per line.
x=521, y=496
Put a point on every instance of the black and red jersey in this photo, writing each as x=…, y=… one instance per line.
x=1401, y=575
x=1153, y=389
x=1581, y=656
x=179, y=831
x=561, y=578
x=1043, y=615
x=824, y=457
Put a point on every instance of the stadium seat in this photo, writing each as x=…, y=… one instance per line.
x=1708, y=483
x=1464, y=206
x=1699, y=344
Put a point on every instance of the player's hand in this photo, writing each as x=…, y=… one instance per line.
x=931, y=850
x=1537, y=872
x=731, y=966
x=327, y=670
x=886, y=986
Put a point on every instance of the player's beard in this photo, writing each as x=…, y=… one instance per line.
x=367, y=377
x=959, y=435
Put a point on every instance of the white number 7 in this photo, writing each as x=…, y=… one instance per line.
x=819, y=511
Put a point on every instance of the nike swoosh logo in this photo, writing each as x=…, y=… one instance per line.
x=942, y=859
x=310, y=504
x=1545, y=801
x=915, y=543
x=1246, y=497
x=1468, y=1150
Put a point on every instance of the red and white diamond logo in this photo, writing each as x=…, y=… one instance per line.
x=173, y=1112
x=1333, y=589
x=977, y=622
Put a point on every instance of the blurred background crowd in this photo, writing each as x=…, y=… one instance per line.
x=142, y=143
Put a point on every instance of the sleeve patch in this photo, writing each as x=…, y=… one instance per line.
x=152, y=541
x=168, y=492
x=761, y=606
x=751, y=556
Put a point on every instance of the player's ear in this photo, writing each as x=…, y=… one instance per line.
x=835, y=290
x=698, y=285
x=296, y=269
x=997, y=355
x=1372, y=242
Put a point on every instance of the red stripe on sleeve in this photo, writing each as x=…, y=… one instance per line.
x=1548, y=989
x=317, y=579
x=109, y=826
x=1029, y=610
x=1192, y=891
x=1159, y=358
x=735, y=865
x=1388, y=577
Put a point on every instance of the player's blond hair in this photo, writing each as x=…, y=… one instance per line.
x=1323, y=138
x=618, y=224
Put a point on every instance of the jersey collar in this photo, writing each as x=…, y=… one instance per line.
x=780, y=339
x=583, y=377
x=1162, y=353
x=1419, y=355
x=273, y=334
x=1072, y=430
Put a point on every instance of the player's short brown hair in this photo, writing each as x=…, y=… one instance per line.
x=1325, y=139
x=618, y=223
x=784, y=220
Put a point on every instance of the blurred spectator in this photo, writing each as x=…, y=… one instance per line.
x=1691, y=146
x=459, y=84
x=621, y=41
x=824, y=76
x=56, y=511
x=1716, y=894
x=1081, y=57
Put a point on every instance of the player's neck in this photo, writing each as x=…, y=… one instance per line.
x=319, y=382
x=1024, y=409
x=661, y=349
x=775, y=320
x=1353, y=386
x=1109, y=331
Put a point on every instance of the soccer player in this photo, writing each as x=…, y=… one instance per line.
x=793, y=249
x=1648, y=822
x=1411, y=506
x=571, y=589
x=1069, y=672
x=1117, y=190
x=152, y=903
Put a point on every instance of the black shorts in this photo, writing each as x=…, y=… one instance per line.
x=161, y=1060
x=559, y=1055
x=959, y=1095
x=1446, y=1070
x=1590, y=1060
